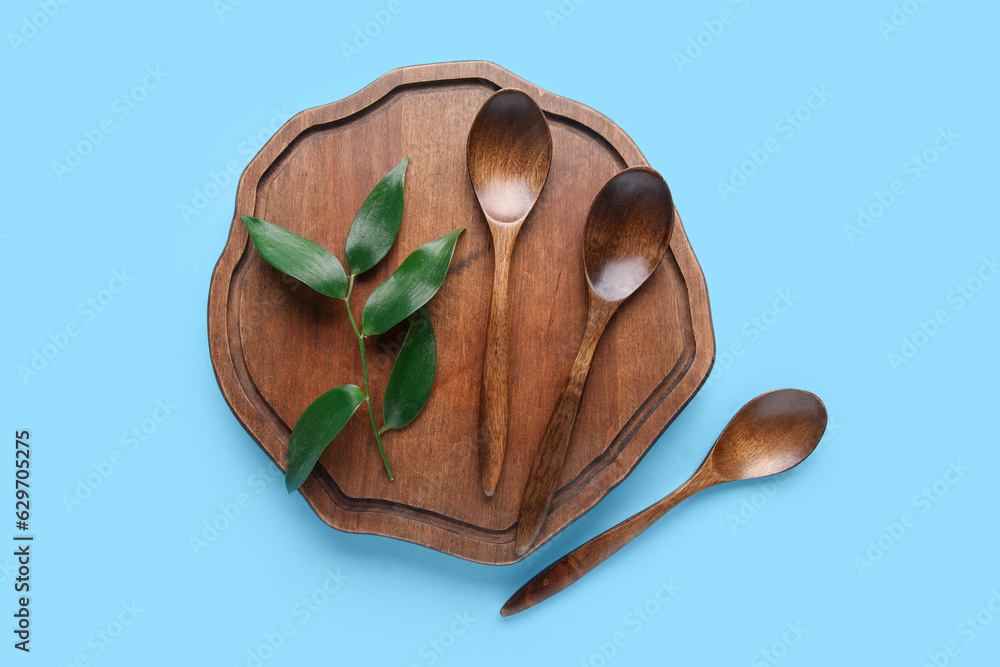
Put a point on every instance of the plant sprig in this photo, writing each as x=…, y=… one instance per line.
x=403, y=294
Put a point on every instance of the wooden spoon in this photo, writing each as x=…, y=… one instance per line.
x=625, y=237
x=770, y=434
x=509, y=150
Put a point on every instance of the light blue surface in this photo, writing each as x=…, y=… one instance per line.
x=226, y=77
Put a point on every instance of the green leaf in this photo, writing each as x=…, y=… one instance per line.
x=412, y=375
x=376, y=225
x=298, y=257
x=413, y=284
x=318, y=425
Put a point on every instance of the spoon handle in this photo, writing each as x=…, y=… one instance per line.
x=494, y=405
x=544, y=473
x=571, y=567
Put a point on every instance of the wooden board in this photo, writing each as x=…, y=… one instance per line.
x=276, y=345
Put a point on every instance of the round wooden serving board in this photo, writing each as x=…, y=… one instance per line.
x=276, y=345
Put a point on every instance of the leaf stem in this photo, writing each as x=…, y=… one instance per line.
x=364, y=367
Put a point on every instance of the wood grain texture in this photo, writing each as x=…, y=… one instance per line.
x=551, y=454
x=769, y=435
x=570, y=568
x=510, y=153
x=276, y=345
x=494, y=404
x=625, y=238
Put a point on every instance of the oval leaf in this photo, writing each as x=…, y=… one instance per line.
x=298, y=257
x=376, y=225
x=314, y=430
x=412, y=375
x=413, y=284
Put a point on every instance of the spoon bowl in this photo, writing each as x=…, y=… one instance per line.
x=770, y=434
x=509, y=152
x=627, y=232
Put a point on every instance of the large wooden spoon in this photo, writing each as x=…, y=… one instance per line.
x=625, y=237
x=509, y=150
x=770, y=434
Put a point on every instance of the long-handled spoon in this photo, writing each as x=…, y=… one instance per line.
x=509, y=150
x=625, y=237
x=770, y=434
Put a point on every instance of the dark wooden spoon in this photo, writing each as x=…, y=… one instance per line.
x=509, y=151
x=770, y=434
x=625, y=237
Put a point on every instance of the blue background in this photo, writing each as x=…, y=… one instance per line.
x=750, y=560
